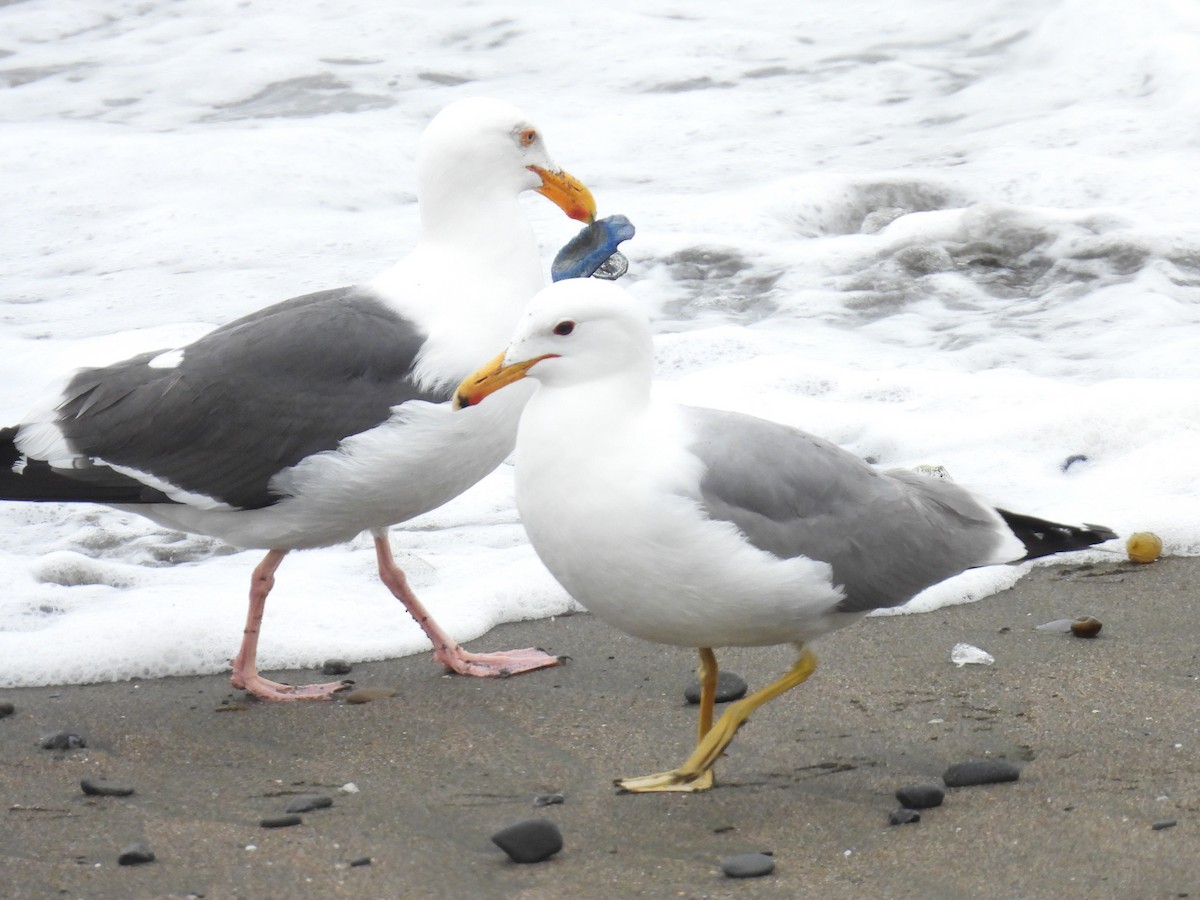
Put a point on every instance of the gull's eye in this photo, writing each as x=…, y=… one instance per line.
x=527, y=136
x=565, y=327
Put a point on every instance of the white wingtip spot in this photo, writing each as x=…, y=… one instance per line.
x=168, y=360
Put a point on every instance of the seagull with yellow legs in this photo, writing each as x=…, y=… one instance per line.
x=704, y=528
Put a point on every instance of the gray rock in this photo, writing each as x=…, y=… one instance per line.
x=361, y=861
x=548, y=799
x=530, y=841
x=280, y=821
x=336, y=667
x=730, y=686
x=1163, y=824
x=98, y=787
x=63, y=740
x=6, y=708
x=920, y=796
x=748, y=865
x=903, y=816
x=980, y=771
x=135, y=854
x=308, y=802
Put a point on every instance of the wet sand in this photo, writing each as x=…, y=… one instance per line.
x=1106, y=731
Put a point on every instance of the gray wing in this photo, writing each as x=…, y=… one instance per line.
x=887, y=535
x=250, y=398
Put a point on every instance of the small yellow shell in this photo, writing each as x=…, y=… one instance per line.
x=1143, y=547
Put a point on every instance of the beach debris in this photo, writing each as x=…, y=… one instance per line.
x=548, y=799
x=969, y=655
x=1162, y=824
x=748, y=865
x=1143, y=547
x=594, y=251
x=1058, y=625
x=941, y=473
x=367, y=694
x=280, y=821
x=920, y=796
x=135, y=854
x=336, y=667
x=6, y=708
x=980, y=771
x=530, y=841
x=361, y=861
x=349, y=788
x=730, y=686
x=99, y=787
x=308, y=802
x=63, y=740
x=1071, y=460
x=904, y=816
x=1086, y=627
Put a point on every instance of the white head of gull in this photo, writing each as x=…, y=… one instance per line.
x=310, y=421
x=703, y=528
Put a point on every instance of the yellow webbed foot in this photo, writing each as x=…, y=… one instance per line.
x=676, y=780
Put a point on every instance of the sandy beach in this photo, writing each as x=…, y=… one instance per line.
x=1105, y=731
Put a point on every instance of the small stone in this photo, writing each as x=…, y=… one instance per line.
x=980, y=771
x=280, y=821
x=366, y=695
x=336, y=667
x=361, y=861
x=135, y=854
x=63, y=740
x=903, y=816
x=548, y=799
x=98, y=787
x=730, y=686
x=308, y=802
x=530, y=841
x=1086, y=627
x=920, y=796
x=1143, y=547
x=1162, y=824
x=748, y=865
x=6, y=708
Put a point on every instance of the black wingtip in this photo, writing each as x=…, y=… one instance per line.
x=1042, y=537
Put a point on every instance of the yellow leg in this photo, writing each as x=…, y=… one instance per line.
x=707, y=673
x=696, y=772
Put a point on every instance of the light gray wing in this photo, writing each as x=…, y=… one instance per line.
x=887, y=535
x=250, y=398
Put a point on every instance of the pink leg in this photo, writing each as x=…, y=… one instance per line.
x=445, y=650
x=245, y=671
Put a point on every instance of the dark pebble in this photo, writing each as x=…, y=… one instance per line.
x=6, y=708
x=336, y=667
x=748, y=865
x=903, y=816
x=1086, y=627
x=361, y=861
x=530, y=841
x=980, y=771
x=135, y=854
x=729, y=687
x=308, y=802
x=281, y=821
x=548, y=799
x=921, y=796
x=1163, y=823
x=63, y=740
x=366, y=695
x=98, y=787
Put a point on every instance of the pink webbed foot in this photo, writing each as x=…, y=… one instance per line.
x=494, y=665
x=267, y=689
